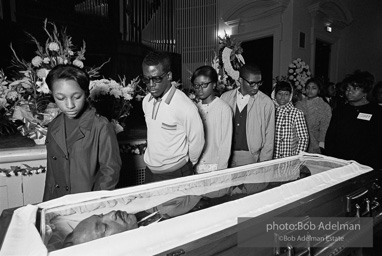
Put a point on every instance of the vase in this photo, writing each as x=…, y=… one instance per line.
x=40, y=141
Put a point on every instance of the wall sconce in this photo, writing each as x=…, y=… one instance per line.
x=328, y=27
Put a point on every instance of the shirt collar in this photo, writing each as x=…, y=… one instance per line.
x=168, y=95
x=239, y=94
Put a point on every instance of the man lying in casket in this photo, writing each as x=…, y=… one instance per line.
x=113, y=222
x=117, y=221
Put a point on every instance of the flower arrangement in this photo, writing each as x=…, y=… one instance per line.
x=298, y=74
x=228, y=63
x=27, y=170
x=112, y=99
x=28, y=97
x=6, y=96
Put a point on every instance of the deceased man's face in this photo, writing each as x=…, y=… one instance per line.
x=102, y=225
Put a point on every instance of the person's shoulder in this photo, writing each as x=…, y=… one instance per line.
x=265, y=99
x=222, y=104
x=146, y=98
x=228, y=94
x=297, y=111
x=98, y=119
x=180, y=96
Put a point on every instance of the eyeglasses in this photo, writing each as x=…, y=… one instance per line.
x=203, y=85
x=350, y=88
x=155, y=79
x=254, y=83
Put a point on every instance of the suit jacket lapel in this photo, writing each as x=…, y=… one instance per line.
x=58, y=133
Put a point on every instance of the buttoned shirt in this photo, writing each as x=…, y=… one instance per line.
x=242, y=100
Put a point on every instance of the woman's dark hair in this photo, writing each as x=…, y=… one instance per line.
x=69, y=72
x=156, y=58
x=319, y=85
x=207, y=71
x=283, y=86
x=360, y=79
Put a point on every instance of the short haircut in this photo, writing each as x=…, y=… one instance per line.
x=207, y=71
x=156, y=58
x=69, y=72
x=249, y=69
x=360, y=79
x=283, y=86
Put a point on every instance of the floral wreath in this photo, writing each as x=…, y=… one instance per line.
x=298, y=74
x=27, y=170
x=231, y=56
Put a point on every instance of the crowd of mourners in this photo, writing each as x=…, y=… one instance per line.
x=242, y=126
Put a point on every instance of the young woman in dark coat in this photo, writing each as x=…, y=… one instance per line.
x=82, y=147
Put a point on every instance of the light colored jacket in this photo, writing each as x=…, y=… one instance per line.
x=260, y=127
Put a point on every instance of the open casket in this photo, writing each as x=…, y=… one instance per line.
x=275, y=188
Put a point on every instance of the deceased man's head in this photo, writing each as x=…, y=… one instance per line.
x=97, y=226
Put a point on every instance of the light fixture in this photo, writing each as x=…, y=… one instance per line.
x=328, y=27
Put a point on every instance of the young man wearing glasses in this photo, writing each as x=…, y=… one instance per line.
x=175, y=136
x=254, y=119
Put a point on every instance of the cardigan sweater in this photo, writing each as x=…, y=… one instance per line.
x=217, y=121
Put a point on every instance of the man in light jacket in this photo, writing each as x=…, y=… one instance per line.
x=254, y=119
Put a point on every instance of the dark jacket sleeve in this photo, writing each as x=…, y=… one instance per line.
x=109, y=160
x=330, y=138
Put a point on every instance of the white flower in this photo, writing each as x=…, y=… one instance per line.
x=46, y=60
x=175, y=83
x=42, y=87
x=3, y=103
x=78, y=63
x=42, y=73
x=60, y=60
x=36, y=61
x=116, y=92
x=12, y=95
x=71, y=53
x=290, y=70
x=53, y=46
